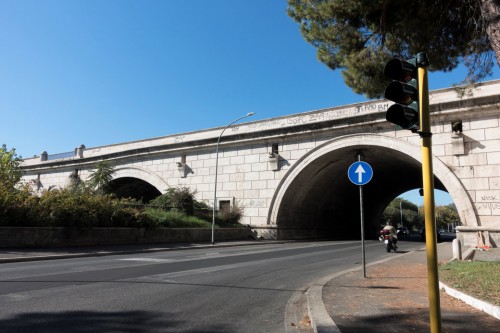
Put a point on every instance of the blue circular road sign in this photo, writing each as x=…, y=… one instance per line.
x=360, y=173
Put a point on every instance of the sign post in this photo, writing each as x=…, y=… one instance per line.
x=360, y=173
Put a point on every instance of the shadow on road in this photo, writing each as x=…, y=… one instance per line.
x=102, y=322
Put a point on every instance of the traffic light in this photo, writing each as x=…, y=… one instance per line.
x=404, y=91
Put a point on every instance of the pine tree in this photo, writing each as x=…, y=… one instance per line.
x=359, y=37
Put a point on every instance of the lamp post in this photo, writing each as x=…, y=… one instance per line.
x=401, y=211
x=216, y=166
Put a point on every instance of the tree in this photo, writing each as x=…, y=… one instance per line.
x=10, y=167
x=447, y=216
x=101, y=177
x=409, y=212
x=359, y=37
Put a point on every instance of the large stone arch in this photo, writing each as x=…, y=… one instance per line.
x=297, y=202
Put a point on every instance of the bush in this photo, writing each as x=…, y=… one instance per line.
x=180, y=198
x=70, y=207
x=230, y=218
x=175, y=219
x=16, y=207
x=81, y=206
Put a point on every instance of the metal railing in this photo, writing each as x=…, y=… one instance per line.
x=61, y=155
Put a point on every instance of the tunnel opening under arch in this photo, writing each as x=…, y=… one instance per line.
x=322, y=203
x=129, y=187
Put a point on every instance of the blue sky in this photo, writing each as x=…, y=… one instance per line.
x=98, y=72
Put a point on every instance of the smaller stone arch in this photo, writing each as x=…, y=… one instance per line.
x=142, y=174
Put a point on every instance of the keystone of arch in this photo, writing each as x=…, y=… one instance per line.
x=450, y=181
x=142, y=174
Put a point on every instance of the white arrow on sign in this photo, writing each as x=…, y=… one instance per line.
x=360, y=171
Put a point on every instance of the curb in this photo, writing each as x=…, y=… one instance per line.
x=320, y=319
x=492, y=310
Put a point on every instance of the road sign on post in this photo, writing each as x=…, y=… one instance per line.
x=360, y=173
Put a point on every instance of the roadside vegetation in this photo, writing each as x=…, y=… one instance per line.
x=87, y=203
x=402, y=212
x=479, y=279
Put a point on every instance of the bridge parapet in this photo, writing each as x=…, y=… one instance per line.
x=437, y=99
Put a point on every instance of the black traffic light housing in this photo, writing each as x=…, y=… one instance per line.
x=404, y=91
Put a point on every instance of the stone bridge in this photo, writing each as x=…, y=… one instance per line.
x=289, y=174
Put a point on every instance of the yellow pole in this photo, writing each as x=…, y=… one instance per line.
x=428, y=182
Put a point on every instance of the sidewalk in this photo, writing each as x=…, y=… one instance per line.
x=394, y=298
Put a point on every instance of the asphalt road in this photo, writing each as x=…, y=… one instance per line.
x=237, y=289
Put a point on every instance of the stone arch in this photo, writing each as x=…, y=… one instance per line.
x=142, y=174
x=318, y=161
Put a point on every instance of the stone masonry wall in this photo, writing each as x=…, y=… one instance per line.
x=249, y=176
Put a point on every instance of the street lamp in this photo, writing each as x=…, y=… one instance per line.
x=401, y=211
x=216, y=166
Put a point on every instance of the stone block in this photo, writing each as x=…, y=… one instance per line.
x=266, y=175
x=488, y=196
x=472, y=135
x=476, y=183
x=491, y=221
x=251, y=159
x=195, y=164
x=259, y=150
x=487, y=122
x=259, y=184
x=237, y=177
x=492, y=133
x=439, y=150
x=463, y=171
x=244, y=168
x=473, y=159
x=252, y=212
x=485, y=171
x=494, y=158
x=237, y=160
x=457, y=144
x=307, y=145
x=494, y=183
x=485, y=146
x=230, y=169
x=251, y=194
x=228, y=186
x=259, y=167
x=242, y=185
x=296, y=154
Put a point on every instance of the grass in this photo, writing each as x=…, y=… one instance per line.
x=479, y=279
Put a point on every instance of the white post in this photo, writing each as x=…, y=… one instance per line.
x=457, y=249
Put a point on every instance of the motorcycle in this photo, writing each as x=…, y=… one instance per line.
x=385, y=236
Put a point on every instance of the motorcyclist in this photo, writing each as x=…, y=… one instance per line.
x=392, y=232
